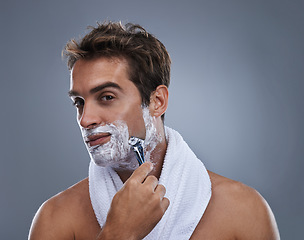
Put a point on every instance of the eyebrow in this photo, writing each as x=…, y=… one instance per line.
x=72, y=93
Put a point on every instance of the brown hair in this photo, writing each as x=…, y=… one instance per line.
x=148, y=59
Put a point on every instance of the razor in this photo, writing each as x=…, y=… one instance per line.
x=137, y=146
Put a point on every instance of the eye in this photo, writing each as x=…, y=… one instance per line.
x=78, y=102
x=106, y=98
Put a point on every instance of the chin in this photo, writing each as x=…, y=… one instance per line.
x=128, y=164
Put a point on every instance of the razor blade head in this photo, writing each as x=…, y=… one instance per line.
x=136, y=144
x=133, y=141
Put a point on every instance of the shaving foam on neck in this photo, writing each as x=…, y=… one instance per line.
x=152, y=137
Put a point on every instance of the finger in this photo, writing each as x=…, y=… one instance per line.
x=165, y=204
x=142, y=172
x=151, y=181
x=160, y=190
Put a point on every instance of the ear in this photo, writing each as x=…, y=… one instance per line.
x=159, y=101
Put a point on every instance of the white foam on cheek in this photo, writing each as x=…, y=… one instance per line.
x=152, y=138
x=115, y=153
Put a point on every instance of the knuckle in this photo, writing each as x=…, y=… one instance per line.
x=132, y=182
x=152, y=178
x=162, y=187
x=161, y=190
x=156, y=200
x=165, y=204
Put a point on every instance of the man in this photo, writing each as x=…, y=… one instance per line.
x=119, y=85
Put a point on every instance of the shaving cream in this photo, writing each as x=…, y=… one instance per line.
x=152, y=138
x=117, y=152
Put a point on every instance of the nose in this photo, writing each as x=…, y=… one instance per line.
x=89, y=117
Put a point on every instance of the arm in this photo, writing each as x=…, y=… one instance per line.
x=253, y=217
x=136, y=208
x=262, y=224
x=50, y=223
x=134, y=212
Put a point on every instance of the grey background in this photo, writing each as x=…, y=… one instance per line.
x=236, y=96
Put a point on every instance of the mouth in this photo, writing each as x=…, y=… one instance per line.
x=97, y=139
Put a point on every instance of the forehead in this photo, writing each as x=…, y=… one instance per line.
x=89, y=72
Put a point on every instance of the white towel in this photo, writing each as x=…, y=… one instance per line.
x=187, y=183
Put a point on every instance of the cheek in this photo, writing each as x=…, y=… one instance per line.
x=136, y=123
x=133, y=120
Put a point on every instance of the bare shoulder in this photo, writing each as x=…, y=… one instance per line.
x=233, y=192
x=245, y=213
x=58, y=217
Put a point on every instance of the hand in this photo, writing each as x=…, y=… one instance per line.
x=137, y=207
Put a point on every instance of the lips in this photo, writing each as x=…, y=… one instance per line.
x=97, y=139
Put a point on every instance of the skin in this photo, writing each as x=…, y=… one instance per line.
x=235, y=210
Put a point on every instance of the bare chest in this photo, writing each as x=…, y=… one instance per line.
x=213, y=225
x=210, y=229
x=211, y=232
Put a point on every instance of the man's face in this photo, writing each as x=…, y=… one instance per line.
x=108, y=108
